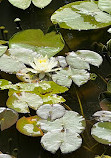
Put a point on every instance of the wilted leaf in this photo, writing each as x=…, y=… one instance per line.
x=8, y=118
x=27, y=126
x=10, y=65
x=105, y=5
x=67, y=141
x=49, y=44
x=53, y=111
x=2, y=49
x=21, y=101
x=101, y=132
x=81, y=15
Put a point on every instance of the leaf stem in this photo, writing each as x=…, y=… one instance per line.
x=80, y=104
x=102, y=78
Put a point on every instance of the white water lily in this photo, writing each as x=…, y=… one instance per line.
x=43, y=65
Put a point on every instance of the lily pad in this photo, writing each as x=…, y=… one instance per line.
x=102, y=115
x=10, y=64
x=65, y=77
x=2, y=49
x=53, y=111
x=8, y=118
x=81, y=16
x=48, y=44
x=101, y=132
x=103, y=156
x=21, y=101
x=6, y=156
x=24, y=4
x=71, y=121
x=105, y=5
x=109, y=86
x=27, y=126
x=67, y=141
x=53, y=99
x=4, y=83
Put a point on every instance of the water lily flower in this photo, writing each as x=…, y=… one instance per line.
x=43, y=65
x=24, y=4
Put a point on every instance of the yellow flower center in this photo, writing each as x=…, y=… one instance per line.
x=42, y=60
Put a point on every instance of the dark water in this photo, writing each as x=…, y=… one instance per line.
x=11, y=140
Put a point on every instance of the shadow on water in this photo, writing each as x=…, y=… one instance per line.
x=11, y=140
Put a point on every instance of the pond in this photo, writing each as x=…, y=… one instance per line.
x=83, y=99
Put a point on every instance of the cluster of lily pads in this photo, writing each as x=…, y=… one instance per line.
x=32, y=56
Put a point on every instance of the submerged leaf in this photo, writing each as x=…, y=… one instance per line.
x=27, y=126
x=53, y=111
x=48, y=44
x=81, y=16
x=67, y=141
x=101, y=132
x=10, y=65
x=21, y=101
x=8, y=118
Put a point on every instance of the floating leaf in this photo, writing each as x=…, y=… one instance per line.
x=10, y=65
x=53, y=111
x=8, y=118
x=105, y=5
x=27, y=126
x=6, y=156
x=65, y=77
x=102, y=115
x=23, y=54
x=71, y=121
x=101, y=132
x=3, y=42
x=24, y=4
x=67, y=141
x=62, y=61
x=109, y=30
x=43, y=88
x=103, y=156
x=2, y=49
x=81, y=16
x=20, y=102
x=53, y=99
x=4, y=83
x=49, y=44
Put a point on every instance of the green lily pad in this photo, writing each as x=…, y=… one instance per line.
x=67, y=141
x=81, y=16
x=2, y=49
x=65, y=77
x=24, y=4
x=10, y=65
x=4, y=83
x=101, y=132
x=8, y=118
x=103, y=156
x=3, y=42
x=22, y=101
x=48, y=44
x=43, y=88
x=105, y=5
x=27, y=126
x=53, y=99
